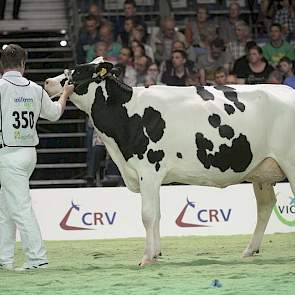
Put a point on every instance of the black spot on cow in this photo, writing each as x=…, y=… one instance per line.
x=226, y=131
x=231, y=94
x=141, y=178
x=238, y=156
x=119, y=93
x=140, y=157
x=214, y=120
x=155, y=157
x=154, y=124
x=113, y=120
x=203, y=143
x=63, y=82
x=83, y=74
x=229, y=109
x=205, y=94
x=179, y=155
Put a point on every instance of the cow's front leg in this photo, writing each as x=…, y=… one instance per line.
x=151, y=218
x=265, y=199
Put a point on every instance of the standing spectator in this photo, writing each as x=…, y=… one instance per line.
x=257, y=69
x=128, y=73
x=129, y=11
x=277, y=47
x=162, y=41
x=141, y=65
x=15, y=11
x=286, y=66
x=176, y=76
x=87, y=38
x=215, y=58
x=227, y=27
x=286, y=18
x=200, y=31
x=220, y=76
x=22, y=102
x=236, y=48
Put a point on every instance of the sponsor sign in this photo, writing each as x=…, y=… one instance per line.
x=102, y=213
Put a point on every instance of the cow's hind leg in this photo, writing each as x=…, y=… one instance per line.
x=150, y=193
x=265, y=199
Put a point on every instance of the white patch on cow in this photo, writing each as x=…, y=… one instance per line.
x=104, y=91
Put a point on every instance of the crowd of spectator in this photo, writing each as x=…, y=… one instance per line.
x=206, y=50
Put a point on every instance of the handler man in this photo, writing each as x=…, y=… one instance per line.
x=22, y=102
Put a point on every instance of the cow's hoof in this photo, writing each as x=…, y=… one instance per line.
x=250, y=253
x=145, y=261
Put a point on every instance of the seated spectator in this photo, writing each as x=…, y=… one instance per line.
x=137, y=33
x=275, y=77
x=266, y=13
x=215, y=58
x=176, y=75
x=113, y=48
x=231, y=79
x=242, y=62
x=192, y=79
x=167, y=65
x=141, y=65
x=128, y=73
x=152, y=75
x=257, y=69
x=129, y=11
x=96, y=11
x=125, y=37
x=285, y=66
x=101, y=49
x=88, y=36
x=138, y=49
x=290, y=81
x=200, y=31
x=220, y=76
x=286, y=18
x=227, y=27
x=277, y=47
x=162, y=41
x=236, y=48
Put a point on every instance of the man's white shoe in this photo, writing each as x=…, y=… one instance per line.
x=27, y=267
x=8, y=266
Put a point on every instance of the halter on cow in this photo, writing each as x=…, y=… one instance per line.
x=213, y=136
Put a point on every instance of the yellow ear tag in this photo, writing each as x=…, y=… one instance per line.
x=103, y=72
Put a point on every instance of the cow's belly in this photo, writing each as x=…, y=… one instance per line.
x=268, y=171
x=265, y=171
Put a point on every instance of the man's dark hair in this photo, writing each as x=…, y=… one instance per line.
x=131, y=2
x=182, y=52
x=218, y=43
x=13, y=56
x=279, y=26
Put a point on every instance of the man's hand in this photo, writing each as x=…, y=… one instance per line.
x=68, y=89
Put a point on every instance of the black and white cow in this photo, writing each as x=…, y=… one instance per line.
x=212, y=136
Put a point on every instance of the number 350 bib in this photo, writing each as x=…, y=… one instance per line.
x=20, y=109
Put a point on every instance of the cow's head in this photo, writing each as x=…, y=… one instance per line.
x=83, y=76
